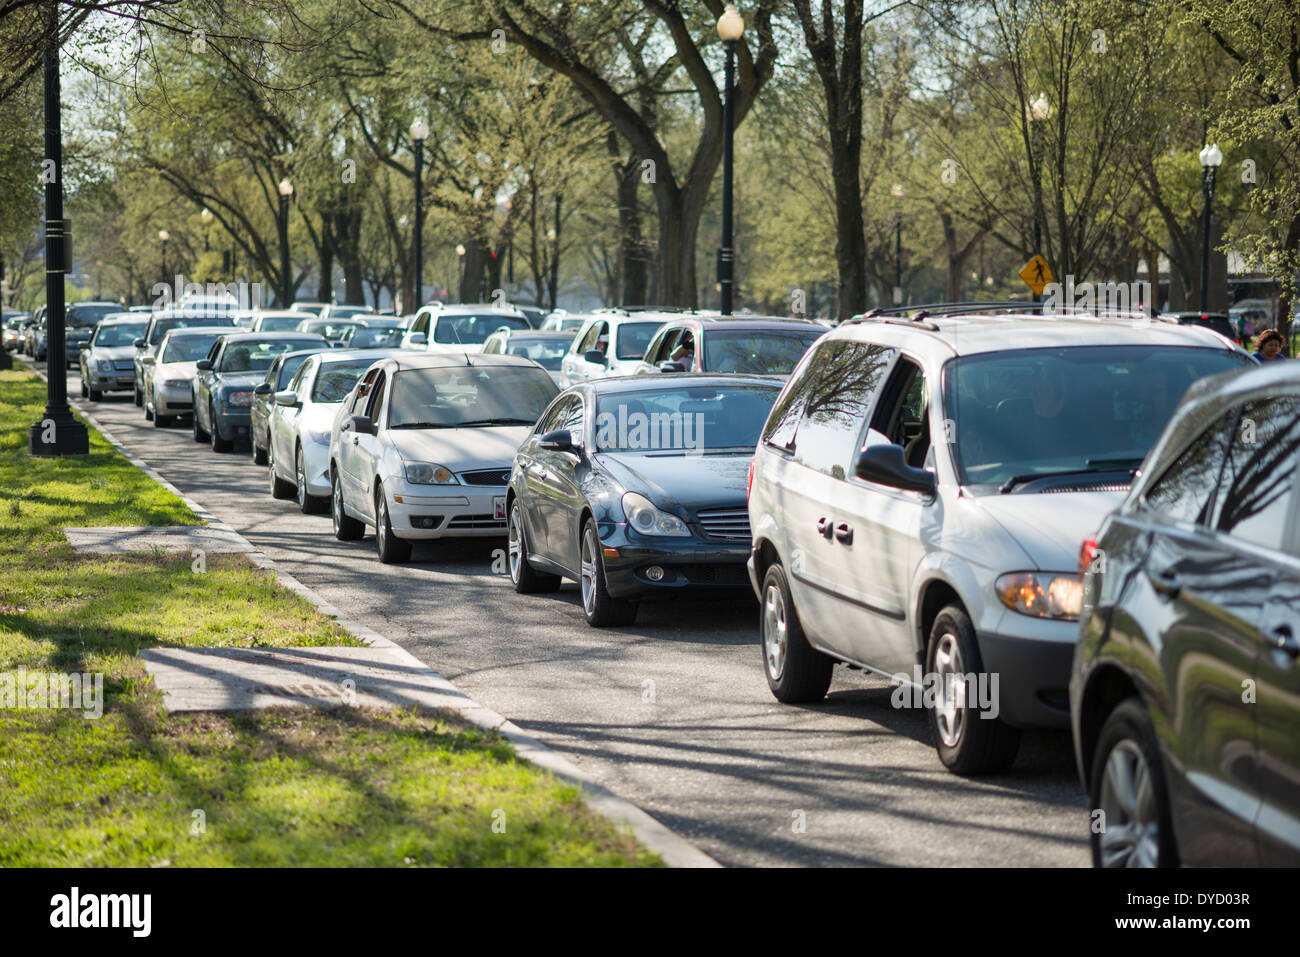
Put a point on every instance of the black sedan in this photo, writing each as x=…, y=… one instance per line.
x=636, y=489
x=1185, y=690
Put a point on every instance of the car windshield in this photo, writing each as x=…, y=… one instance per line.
x=469, y=396
x=632, y=338
x=1030, y=412
x=278, y=323
x=256, y=355
x=188, y=348
x=756, y=352
x=113, y=337
x=547, y=353
x=680, y=420
x=375, y=338
x=87, y=315
x=163, y=326
x=334, y=380
x=473, y=330
x=342, y=312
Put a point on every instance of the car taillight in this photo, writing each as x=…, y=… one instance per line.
x=749, y=480
x=1087, y=552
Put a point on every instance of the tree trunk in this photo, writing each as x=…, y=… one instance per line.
x=325, y=287
x=473, y=270
x=631, y=274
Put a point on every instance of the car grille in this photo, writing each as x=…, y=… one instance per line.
x=123, y=365
x=1094, y=487
x=477, y=521
x=729, y=523
x=486, y=477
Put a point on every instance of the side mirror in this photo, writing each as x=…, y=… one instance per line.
x=362, y=424
x=139, y=343
x=262, y=388
x=203, y=365
x=595, y=356
x=561, y=440
x=417, y=339
x=147, y=360
x=671, y=365
x=83, y=346
x=884, y=465
x=287, y=398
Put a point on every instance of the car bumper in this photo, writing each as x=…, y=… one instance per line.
x=232, y=424
x=688, y=565
x=109, y=382
x=431, y=511
x=1033, y=678
x=173, y=401
x=316, y=464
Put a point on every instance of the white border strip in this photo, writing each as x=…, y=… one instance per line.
x=673, y=848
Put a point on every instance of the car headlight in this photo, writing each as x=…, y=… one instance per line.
x=648, y=520
x=176, y=383
x=320, y=438
x=1041, y=594
x=104, y=366
x=426, y=473
x=237, y=399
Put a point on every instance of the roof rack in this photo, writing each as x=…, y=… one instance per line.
x=1044, y=310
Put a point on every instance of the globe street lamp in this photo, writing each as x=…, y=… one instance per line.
x=730, y=28
x=1038, y=112
x=57, y=432
x=419, y=133
x=897, y=192
x=207, y=218
x=460, y=271
x=163, y=236
x=286, y=190
x=1211, y=157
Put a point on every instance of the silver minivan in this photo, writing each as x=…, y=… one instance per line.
x=919, y=496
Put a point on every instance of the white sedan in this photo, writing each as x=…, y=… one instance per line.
x=300, y=420
x=169, y=374
x=423, y=447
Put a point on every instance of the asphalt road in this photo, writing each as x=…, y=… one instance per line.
x=673, y=713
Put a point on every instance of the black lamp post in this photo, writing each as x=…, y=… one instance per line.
x=897, y=192
x=163, y=236
x=57, y=432
x=1038, y=112
x=286, y=281
x=730, y=28
x=207, y=217
x=1211, y=157
x=419, y=133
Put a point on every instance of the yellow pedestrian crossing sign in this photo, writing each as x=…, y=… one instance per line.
x=1036, y=274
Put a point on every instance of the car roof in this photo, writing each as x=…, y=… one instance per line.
x=471, y=309
x=182, y=331
x=617, y=385
x=123, y=319
x=532, y=334
x=341, y=355
x=405, y=360
x=946, y=336
x=260, y=336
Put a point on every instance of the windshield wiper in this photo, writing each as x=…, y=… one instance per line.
x=1094, y=466
x=497, y=422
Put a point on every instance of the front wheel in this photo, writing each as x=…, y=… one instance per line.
x=796, y=671
x=600, y=608
x=346, y=528
x=218, y=443
x=161, y=421
x=392, y=550
x=526, y=579
x=1128, y=788
x=968, y=742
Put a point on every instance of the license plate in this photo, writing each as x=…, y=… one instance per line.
x=499, y=506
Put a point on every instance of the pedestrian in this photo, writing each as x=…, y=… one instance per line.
x=1269, y=346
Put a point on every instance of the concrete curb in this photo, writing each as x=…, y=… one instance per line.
x=674, y=849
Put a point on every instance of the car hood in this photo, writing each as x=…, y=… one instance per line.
x=113, y=352
x=176, y=370
x=1051, y=526
x=690, y=481
x=318, y=416
x=461, y=449
x=239, y=380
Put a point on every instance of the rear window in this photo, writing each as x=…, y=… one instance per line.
x=163, y=326
x=257, y=355
x=86, y=315
x=473, y=330
x=756, y=352
x=633, y=338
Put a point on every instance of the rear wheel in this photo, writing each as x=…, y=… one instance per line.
x=346, y=528
x=392, y=550
x=279, y=488
x=796, y=671
x=967, y=741
x=218, y=443
x=1128, y=788
x=259, y=453
x=200, y=435
x=600, y=609
x=85, y=393
x=161, y=421
x=307, y=503
x=526, y=578
x=139, y=396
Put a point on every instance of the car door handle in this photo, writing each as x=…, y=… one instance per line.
x=1165, y=582
x=824, y=528
x=1284, y=640
x=356, y=439
x=844, y=533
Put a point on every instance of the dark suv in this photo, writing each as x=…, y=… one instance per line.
x=1185, y=687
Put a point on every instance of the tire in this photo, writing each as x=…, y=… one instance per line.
x=797, y=672
x=85, y=393
x=259, y=453
x=218, y=443
x=148, y=412
x=139, y=397
x=278, y=487
x=1128, y=786
x=346, y=528
x=161, y=421
x=392, y=550
x=199, y=434
x=599, y=608
x=308, y=504
x=527, y=580
x=967, y=742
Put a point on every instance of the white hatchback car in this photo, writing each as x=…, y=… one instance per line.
x=461, y=327
x=919, y=496
x=612, y=342
x=423, y=447
x=301, y=419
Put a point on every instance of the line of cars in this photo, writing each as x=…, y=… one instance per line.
x=951, y=501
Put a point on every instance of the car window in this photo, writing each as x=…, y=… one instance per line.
x=571, y=419
x=550, y=419
x=589, y=340
x=902, y=415
x=1256, y=487
x=473, y=330
x=111, y=337
x=469, y=396
x=547, y=353
x=361, y=394
x=299, y=376
x=1185, y=492
x=756, y=352
x=836, y=406
x=631, y=338
x=684, y=418
x=188, y=348
x=335, y=379
x=288, y=368
x=783, y=420
x=376, y=403
x=664, y=346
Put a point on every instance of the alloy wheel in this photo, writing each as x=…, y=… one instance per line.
x=776, y=631
x=950, y=706
x=588, y=571
x=515, y=543
x=1131, y=837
